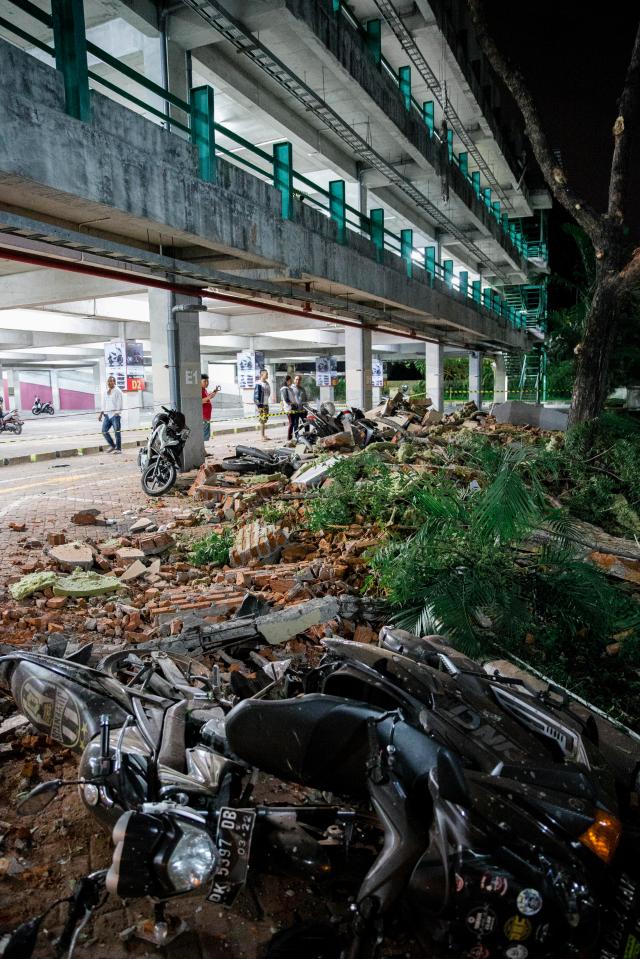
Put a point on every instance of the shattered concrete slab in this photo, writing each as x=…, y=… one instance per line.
x=310, y=476
x=72, y=555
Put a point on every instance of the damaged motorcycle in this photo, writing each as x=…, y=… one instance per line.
x=485, y=818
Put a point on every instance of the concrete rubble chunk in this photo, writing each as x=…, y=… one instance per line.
x=530, y=414
x=32, y=583
x=129, y=553
x=72, y=555
x=12, y=727
x=284, y=624
x=89, y=517
x=432, y=418
x=143, y=525
x=257, y=542
x=307, y=477
x=134, y=571
x=339, y=441
x=152, y=544
x=82, y=583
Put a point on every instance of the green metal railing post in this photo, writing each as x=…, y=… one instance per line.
x=447, y=272
x=475, y=291
x=475, y=182
x=430, y=262
x=486, y=298
x=71, y=56
x=463, y=163
x=404, y=82
x=376, y=226
x=486, y=196
x=450, y=145
x=337, y=209
x=283, y=176
x=429, y=116
x=464, y=282
x=335, y=5
x=406, y=250
x=203, y=133
x=373, y=29
x=496, y=209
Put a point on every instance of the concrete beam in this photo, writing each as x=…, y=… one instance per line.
x=41, y=287
x=223, y=71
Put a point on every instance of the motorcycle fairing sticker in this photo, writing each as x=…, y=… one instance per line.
x=517, y=929
x=54, y=709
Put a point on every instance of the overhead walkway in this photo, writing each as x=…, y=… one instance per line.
x=97, y=178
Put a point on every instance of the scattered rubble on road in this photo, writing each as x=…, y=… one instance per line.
x=255, y=537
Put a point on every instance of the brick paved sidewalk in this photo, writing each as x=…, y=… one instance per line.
x=45, y=495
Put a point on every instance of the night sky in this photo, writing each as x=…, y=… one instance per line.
x=575, y=62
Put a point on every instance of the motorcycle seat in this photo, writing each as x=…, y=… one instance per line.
x=323, y=741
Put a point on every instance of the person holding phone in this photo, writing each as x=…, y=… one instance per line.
x=207, y=406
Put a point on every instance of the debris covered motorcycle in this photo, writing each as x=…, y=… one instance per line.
x=484, y=818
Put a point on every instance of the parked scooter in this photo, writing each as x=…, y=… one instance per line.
x=39, y=407
x=11, y=422
x=161, y=459
x=485, y=817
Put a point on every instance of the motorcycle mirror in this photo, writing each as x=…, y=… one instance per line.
x=39, y=797
x=452, y=784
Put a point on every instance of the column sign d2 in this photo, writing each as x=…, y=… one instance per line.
x=135, y=366
x=124, y=360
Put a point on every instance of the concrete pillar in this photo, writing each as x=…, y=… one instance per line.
x=55, y=389
x=177, y=75
x=357, y=352
x=434, y=379
x=187, y=366
x=326, y=394
x=99, y=381
x=499, y=379
x=475, y=378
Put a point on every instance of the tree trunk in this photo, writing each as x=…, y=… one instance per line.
x=591, y=384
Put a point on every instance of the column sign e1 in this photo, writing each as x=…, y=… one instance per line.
x=124, y=360
x=377, y=373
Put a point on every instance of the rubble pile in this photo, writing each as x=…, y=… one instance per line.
x=143, y=580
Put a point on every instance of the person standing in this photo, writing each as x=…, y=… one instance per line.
x=300, y=398
x=288, y=405
x=261, y=394
x=110, y=415
x=207, y=406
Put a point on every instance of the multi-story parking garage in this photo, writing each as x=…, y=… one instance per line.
x=294, y=179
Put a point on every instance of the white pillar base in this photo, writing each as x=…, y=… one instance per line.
x=434, y=379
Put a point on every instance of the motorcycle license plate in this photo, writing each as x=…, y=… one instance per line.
x=235, y=828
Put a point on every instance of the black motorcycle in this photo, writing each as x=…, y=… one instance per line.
x=40, y=407
x=11, y=422
x=483, y=818
x=325, y=421
x=161, y=459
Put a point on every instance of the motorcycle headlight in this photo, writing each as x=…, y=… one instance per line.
x=193, y=860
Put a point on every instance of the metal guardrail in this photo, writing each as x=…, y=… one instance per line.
x=70, y=51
